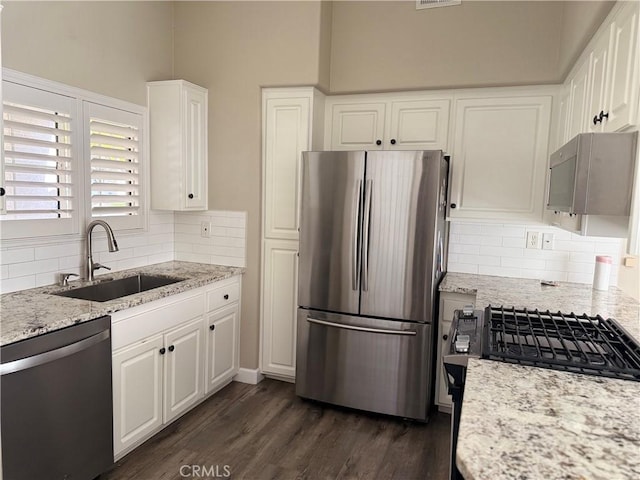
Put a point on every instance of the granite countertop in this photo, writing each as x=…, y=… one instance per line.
x=523, y=423
x=530, y=423
x=28, y=313
x=566, y=297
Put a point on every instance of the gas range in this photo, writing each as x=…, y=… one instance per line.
x=583, y=344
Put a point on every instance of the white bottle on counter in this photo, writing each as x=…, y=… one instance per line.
x=602, y=272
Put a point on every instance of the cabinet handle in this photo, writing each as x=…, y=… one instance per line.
x=453, y=205
x=378, y=142
x=2, y=191
x=226, y=297
x=171, y=348
x=162, y=350
x=191, y=195
x=212, y=327
x=603, y=115
x=596, y=120
x=393, y=141
x=444, y=337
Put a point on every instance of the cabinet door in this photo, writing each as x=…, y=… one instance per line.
x=137, y=392
x=499, y=159
x=449, y=302
x=418, y=125
x=599, y=83
x=563, y=117
x=195, y=144
x=279, y=305
x=182, y=373
x=287, y=134
x=222, y=347
x=623, y=87
x=579, y=88
x=357, y=126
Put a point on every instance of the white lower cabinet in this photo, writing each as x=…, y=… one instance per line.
x=137, y=392
x=183, y=368
x=167, y=358
x=279, y=305
x=222, y=347
x=449, y=302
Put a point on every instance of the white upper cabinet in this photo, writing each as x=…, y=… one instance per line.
x=500, y=155
x=604, y=81
x=622, y=96
x=387, y=122
x=287, y=118
x=178, y=112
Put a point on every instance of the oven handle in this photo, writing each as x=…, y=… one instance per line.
x=361, y=329
x=50, y=356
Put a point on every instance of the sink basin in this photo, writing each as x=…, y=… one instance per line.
x=109, y=290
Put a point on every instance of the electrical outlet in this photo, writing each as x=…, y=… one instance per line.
x=547, y=241
x=533, y=240
x=205, y=229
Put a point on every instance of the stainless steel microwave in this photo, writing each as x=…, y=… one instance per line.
x=592, y=174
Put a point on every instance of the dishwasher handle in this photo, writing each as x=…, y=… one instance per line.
x=52, y=355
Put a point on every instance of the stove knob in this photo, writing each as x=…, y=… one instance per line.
x=462, y=344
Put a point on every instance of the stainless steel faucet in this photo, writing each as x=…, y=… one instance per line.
x=111, y=242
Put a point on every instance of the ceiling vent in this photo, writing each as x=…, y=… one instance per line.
x=420, y=4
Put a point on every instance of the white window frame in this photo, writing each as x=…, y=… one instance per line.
x=35, y=235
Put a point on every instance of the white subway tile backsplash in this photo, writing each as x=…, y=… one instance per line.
x=170, y=236
x=474, y=248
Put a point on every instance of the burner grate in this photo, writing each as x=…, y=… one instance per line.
x=569, y=342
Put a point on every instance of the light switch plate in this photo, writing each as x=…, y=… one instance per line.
x=547, y=241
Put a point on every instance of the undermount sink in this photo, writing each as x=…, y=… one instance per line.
x=112, y=289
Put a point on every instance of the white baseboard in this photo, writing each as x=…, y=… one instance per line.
x=248, y=375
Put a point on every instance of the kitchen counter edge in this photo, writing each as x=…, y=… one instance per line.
x=36, y=311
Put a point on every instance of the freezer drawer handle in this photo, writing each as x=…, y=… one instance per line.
x=361, y=329
x=50, y=356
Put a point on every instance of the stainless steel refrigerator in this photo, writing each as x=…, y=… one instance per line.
x=373, y=242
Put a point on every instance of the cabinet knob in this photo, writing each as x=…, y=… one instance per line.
x=191, y=195
x=444, y=337
x=171, y=348
x=226, y=296
x=393, y=141
x=162, y=350
x=212, y=327
x=453, y=205
x=2, y=191
x=378, y=142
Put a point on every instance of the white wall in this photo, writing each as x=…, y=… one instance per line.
x=494, y=249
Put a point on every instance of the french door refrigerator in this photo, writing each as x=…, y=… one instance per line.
x=372, y=252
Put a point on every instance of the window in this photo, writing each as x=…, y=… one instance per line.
x=114, y=161
x=69, y=157
x=39, y=162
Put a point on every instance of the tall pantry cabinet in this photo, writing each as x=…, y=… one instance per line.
x=291, y=124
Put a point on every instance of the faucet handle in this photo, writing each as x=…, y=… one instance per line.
x=97, y=266
x=64, y=278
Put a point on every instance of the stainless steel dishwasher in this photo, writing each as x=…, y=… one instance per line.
x=57, y=406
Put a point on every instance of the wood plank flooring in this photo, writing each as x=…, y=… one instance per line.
x=265, y=432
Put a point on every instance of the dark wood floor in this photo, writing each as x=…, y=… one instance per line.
x=265, y=432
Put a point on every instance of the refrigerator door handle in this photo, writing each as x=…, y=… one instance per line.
x=361, y=329
x=366, y=220
x=355, y=251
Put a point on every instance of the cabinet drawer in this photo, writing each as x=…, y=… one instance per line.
x=223, y=295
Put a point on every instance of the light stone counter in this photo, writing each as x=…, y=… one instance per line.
x=566, y=297
x=530, y=423
x=36, y=311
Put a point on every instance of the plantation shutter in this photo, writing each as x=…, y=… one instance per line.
x=39, y=161
x=115, y=149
